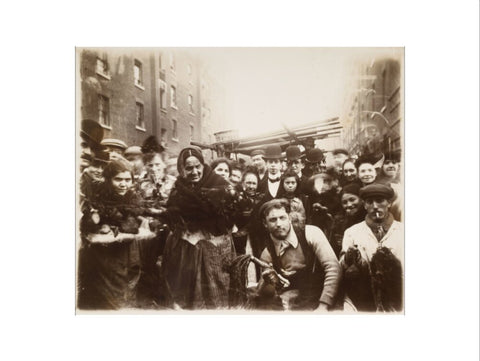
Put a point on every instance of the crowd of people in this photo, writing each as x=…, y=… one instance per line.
x=278, y=231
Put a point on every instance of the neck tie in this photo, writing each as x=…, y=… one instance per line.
x=274, y=180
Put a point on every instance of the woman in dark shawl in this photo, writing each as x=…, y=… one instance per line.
x=111, y=230
x=200, y=246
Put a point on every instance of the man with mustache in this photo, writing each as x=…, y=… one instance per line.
x=379, y=227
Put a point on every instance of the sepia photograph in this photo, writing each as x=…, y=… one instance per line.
x=240, y=180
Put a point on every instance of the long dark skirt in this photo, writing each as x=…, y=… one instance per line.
x=197, y=276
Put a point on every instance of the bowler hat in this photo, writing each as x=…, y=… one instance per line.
x=340, y=151
x=273, y=152
x=91, y=131
x=293, y=153
x=101, y=157
x=314, y=155
x=377, y=190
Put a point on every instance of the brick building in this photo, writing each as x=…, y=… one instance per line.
x=373, y=119
x=165, y=92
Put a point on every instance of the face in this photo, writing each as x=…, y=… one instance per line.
x=349, y=171
x=338, y=160
x=274, y=166
x=377, y=208
x=250, y=184
x=193, y=170
x=297, y=165
x=122, y=182
x=390, y=168
x=366, y=173
x=290, y=184
x=236, y=176
x=259, y=163
x=95, y=170
x=351, y=203
x=277, y=223
x=323, y=183
x=156, y=167
x=86, y=155
x=222, y=170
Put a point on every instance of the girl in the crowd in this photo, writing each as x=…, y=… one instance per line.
x=353, y=213
x=349, y=172
x=366, y=170
x=200, y=246
x=290, y=190
x=248, y=198
x=221, y=166
x=111, y=231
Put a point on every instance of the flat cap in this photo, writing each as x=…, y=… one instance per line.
x=377, y=190
x=257, y=152
x=340, y=151
x=133, y=150
x=114, y=143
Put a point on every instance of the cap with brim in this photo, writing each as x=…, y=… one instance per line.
x=133, y=150
x=257, y=152
x=351, y=188
x=377, y=190
x=101, y=157
x=278, y=202
x=117, y=143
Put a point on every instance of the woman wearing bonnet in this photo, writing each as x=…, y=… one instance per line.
x=200, y=245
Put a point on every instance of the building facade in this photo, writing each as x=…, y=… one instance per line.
x=373, y=117
x=135, y=93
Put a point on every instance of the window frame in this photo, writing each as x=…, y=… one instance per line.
x=140, y=126
x=103, y=99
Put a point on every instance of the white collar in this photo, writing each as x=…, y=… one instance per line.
x=291, y=239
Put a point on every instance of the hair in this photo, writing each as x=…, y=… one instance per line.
x=351, y=188
x=148, y=157
x=348, y=160
x=217, y=161
x=363, y=160
x=237, y=165
x=290, y=173
x=250, y=170
x=274, y=204
x=117, y=166
x=191, y=151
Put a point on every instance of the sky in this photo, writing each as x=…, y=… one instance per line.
x=265, y=87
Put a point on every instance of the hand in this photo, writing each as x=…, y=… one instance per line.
x=144, y=232
x=322, y=307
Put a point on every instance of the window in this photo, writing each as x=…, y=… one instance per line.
x=137, y=73
x=172, y=62
x=101, y=67
x=163, y=95
x=161, y=66
x=190, y=103
x=139, y=116
x=174, y=129
x=103, y=110
x=191, y=132
x=173, y=97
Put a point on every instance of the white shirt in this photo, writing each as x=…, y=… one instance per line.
x=362, y=236
x=273, y=188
